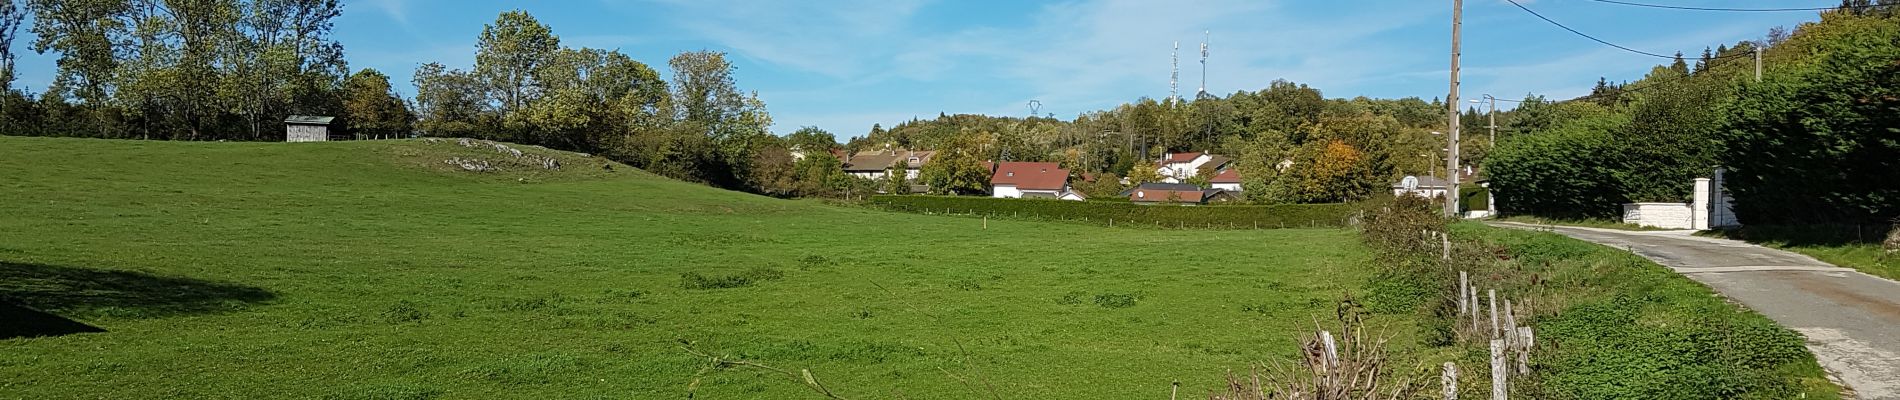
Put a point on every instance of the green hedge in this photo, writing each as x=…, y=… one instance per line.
x=1126, y=214
x=1474, y=198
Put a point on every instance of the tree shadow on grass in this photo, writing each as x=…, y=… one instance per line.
x=1820, y=235
x=34, y=297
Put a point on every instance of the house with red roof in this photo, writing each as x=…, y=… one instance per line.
x=1227, y=179
x=1012, y=179
x=1180, y=167
x=1153, y=193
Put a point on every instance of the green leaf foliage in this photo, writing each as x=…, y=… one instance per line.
x=1821, y=142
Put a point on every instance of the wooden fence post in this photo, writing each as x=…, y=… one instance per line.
x=1331, y=359
x=1475, y=309
x=1496, y=332
x=1464, y=284
x=1449, y=381
x=1510, y=326
x=1446, y=240
x=1526, y=339
x=1499, y=390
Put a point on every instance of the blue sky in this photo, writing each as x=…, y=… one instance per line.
x=843, y=65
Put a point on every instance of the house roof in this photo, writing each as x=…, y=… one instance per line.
x=1180, y=196
x=1161, y=186
x=1180, y=157
x=1214, y=164
x=1424, y=182
x=1226, y=176
x=308, y=120
x=1030, y=175
x=1210, y=194
x=873, y=161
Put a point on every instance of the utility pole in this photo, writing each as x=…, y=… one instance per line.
x=1451, y=104
x=1757, y=62
x=1491, y=112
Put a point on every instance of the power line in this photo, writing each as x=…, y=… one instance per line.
x=1673, y=7
x=1585, y=35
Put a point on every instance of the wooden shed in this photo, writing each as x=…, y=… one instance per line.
x=307, y=128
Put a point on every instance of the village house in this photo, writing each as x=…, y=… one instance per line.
x=1430, y=187
x=874, y=164
x=1177, y=193
x=1181, y=167
x=1228, y=180
x=1030, y=180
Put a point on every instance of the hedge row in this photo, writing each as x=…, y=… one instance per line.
x=1126, y=214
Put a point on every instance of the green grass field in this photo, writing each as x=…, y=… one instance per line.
x=373, y=270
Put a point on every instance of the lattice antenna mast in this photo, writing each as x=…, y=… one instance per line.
x=1205, y=35
x=1174, y=73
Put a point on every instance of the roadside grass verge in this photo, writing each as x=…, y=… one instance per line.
x=1620, y=326
x=1608, y=324
x=1587, y=223
x=1852, y=246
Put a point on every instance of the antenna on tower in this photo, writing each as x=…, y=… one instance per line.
x=1205, y=35
x=1174, y=73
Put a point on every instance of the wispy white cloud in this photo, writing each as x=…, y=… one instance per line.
x=824, y=38
x=1083, y=55
x=396, y=10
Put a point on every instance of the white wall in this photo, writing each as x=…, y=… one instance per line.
x=1006, y=192
x=306, y=133
x=1426, y=193
x=1231, y=187
x=869, y=175
x=1660, y=215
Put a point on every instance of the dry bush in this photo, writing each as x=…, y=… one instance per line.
x=1350, y=365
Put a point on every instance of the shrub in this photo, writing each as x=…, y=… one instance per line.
x=1565, y=172
x=404, y=312
x=1124, y=213
x=1816, y=142
x=697, y=281
x=1072, y=298
x=1116, y=300
x=1892, y=244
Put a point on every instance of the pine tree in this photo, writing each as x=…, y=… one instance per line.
x=1703, y=63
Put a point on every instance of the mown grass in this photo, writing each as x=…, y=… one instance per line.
x=372, y=270
x=1615, y=325
x=1587, y=223
x=1852, y=246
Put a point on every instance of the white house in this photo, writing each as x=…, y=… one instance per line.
x=1031, y=180
x=873, y=164
x=1179, y=167
x=1430, y=187
x=1227, y=179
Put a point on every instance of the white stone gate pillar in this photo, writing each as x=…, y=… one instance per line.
x=1700, y=210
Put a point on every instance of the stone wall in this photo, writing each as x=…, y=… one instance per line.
x=1660, y=215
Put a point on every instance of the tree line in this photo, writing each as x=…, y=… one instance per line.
x=195, y=70
x=1290, y=143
